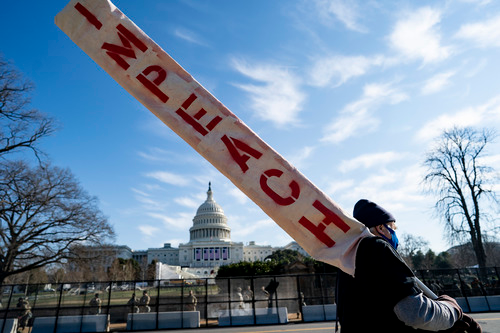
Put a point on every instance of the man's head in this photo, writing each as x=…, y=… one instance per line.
x=380, y=222
x=144, y=292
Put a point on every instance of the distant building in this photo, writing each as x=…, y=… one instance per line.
x=209, y=246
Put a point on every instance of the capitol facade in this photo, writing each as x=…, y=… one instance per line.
x=209, y=247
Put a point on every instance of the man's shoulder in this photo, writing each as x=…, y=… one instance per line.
x=370, y=244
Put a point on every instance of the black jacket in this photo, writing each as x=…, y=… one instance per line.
x=365, y=303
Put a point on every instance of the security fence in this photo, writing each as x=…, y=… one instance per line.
x=69, y=307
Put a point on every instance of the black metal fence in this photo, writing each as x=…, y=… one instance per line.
x=212, y=302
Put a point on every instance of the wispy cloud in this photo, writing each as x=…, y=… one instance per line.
x=400, y=187
x=169, y=178
x=180, y=222
x=148, y=230
x=187, y=202
x=279, y=98
x=358, y=116
x=155, y=154
x=337, y=70
x=248, y=229
x=367, y=161
x=483, y=34
x=338, y=186
x=486, y=114
x=417, y=36
x=437, y=83
x=340, y=10
x=300, y=157
x=479, y=2
x=189, y=36
x=238, y=195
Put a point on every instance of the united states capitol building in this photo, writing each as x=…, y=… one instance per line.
x=209, y=247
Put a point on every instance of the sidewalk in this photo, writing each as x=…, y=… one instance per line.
x=490, y=323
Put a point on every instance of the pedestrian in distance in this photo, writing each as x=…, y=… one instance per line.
x=133, y=303
x=144, y=301
x=95, y=305
x=24, y=315
x=192, y=301
x=384, y=294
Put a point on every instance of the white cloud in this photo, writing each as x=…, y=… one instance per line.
x=189, y=36
x=358, y=116
x=244, y=230
x=155, y=154
x=367, y=161
x=279, y=98
x=484, y=34
x=417, y=36
x=337, y=70
x=337, y=186
x=238, y=195
x=187, y=202
x=479, y=2
x=169, y=178
x=341, y=10
x=472, y=116
x=148, y=230
x=301, y=156
x=437, y=83
x=400, y=188
x=181, y=222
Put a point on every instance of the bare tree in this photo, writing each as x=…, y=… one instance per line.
x=21, y=128
x=410, y=245
x=463, y=185
x=44, y=213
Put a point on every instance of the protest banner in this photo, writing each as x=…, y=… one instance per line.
x=147, y=72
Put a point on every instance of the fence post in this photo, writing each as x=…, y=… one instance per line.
x=252, y=286
x=57, y=309
x=206, y=302
x=229, y=300
x=8, y=306
x=300, y=298
x=158, y=304
x=462, y=289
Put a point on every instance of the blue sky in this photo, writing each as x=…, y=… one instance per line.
x=351, y=92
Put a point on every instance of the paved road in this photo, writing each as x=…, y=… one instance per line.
x=490, y=322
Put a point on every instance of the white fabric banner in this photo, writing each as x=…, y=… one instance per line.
x=147, y=72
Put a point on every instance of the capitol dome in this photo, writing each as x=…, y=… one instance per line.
x=210, y=223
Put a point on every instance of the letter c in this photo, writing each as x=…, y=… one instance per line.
x=273, y=195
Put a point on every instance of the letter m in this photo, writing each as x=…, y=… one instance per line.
x=117, y=52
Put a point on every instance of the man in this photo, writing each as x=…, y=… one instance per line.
x=95, y=304
x=144, y=301
x=133, y=303
x=25, y=313
x=192, y=301
x=383, y=294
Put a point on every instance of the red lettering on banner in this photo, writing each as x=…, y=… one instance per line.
x=153, y=86
x=233, y=145
x=117, y=51
x=88, y=15
x=275, y=196
x=193, y=121
x=319, y=230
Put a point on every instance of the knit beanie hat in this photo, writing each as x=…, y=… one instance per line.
x=371, y=214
